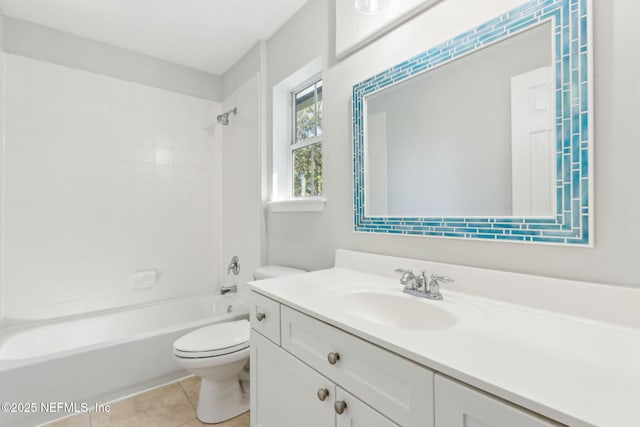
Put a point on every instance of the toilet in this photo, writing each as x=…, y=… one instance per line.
x=218, y=353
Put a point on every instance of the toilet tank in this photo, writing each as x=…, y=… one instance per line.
x=271, y=271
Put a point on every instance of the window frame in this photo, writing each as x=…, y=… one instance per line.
x=293, y=144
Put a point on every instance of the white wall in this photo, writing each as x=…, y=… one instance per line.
x=241, y=200
x=105, y=177
x=48, y=44
x=309, y=240
x=2, y=165
x=243, y=70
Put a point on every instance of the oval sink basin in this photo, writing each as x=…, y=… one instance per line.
x=395, y=311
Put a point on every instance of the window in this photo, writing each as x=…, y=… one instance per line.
x=306, y=141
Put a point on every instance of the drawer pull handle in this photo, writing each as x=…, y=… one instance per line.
x=260, y=316
x=333, y=358
x=323, y=393
x=340, y=406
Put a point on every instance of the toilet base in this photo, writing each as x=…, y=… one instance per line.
x=221, y=400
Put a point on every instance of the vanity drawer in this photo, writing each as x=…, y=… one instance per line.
x=265, y=316
x=398, y=388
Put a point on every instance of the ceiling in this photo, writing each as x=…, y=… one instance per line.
x=208, y=35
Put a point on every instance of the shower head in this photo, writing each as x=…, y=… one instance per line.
x=223, y=118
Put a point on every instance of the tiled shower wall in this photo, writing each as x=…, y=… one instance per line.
x=105, y=178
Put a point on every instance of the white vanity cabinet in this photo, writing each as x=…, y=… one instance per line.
x=286, y=392
x=458, y=405
x=322, y=376
x=265, y=316
x=400, y=389
x=357, y=413
x=309, y=373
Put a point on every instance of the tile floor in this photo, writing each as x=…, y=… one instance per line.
x=173, y=405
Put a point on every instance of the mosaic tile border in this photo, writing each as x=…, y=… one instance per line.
x=572, y=225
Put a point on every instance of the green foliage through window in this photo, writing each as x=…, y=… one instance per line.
x=306, y=148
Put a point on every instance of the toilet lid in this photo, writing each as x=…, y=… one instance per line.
x=214, y=340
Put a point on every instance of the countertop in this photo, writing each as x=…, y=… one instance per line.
x=574, y=370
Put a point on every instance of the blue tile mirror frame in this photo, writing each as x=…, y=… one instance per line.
x=570, y=221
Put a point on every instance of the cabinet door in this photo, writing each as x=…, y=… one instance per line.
x=460, y=406
x=284, y=391
x=358, y=414
x=397, y=387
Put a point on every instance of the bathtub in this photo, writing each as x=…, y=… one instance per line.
x=97, y=358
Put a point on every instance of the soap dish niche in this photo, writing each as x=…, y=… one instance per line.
x=144, y=279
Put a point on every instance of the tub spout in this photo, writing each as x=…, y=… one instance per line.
x=227, y=289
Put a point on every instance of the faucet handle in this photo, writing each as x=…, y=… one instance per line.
x=409, y=279
x=234, y=265
x=434, y=286
x=442, y=279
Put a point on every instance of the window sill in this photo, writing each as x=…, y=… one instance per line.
x=308, y=204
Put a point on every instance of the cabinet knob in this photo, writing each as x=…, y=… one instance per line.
x=333, y=358
x=340, y=406
x=260, y=316
x=323, y=393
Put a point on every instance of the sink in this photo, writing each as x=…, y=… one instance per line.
x=399, y=311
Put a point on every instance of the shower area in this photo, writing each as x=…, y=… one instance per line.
x=112, y=193
x=117, y=199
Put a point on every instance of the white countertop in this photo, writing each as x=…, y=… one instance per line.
x=574, y=370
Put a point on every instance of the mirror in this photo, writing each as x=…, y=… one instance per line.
x=479, y=154
x=485, y=136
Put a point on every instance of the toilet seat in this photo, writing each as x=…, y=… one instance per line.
x=214, y=340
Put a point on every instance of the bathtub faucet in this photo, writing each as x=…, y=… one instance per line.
x=234, y=266
x=227, y=289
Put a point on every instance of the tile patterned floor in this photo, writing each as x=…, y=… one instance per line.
x=173, y=405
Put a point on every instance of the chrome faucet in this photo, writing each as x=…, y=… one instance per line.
x=411, y=281
x=419, y=285
x=234, y=266
x=227, y=289
x=434, y=286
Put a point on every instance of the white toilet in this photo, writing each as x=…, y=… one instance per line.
x=217, y=353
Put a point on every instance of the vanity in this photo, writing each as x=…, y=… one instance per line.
x=346, y=347
x=486, y=136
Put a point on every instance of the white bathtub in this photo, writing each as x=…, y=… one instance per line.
x=97, y=358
